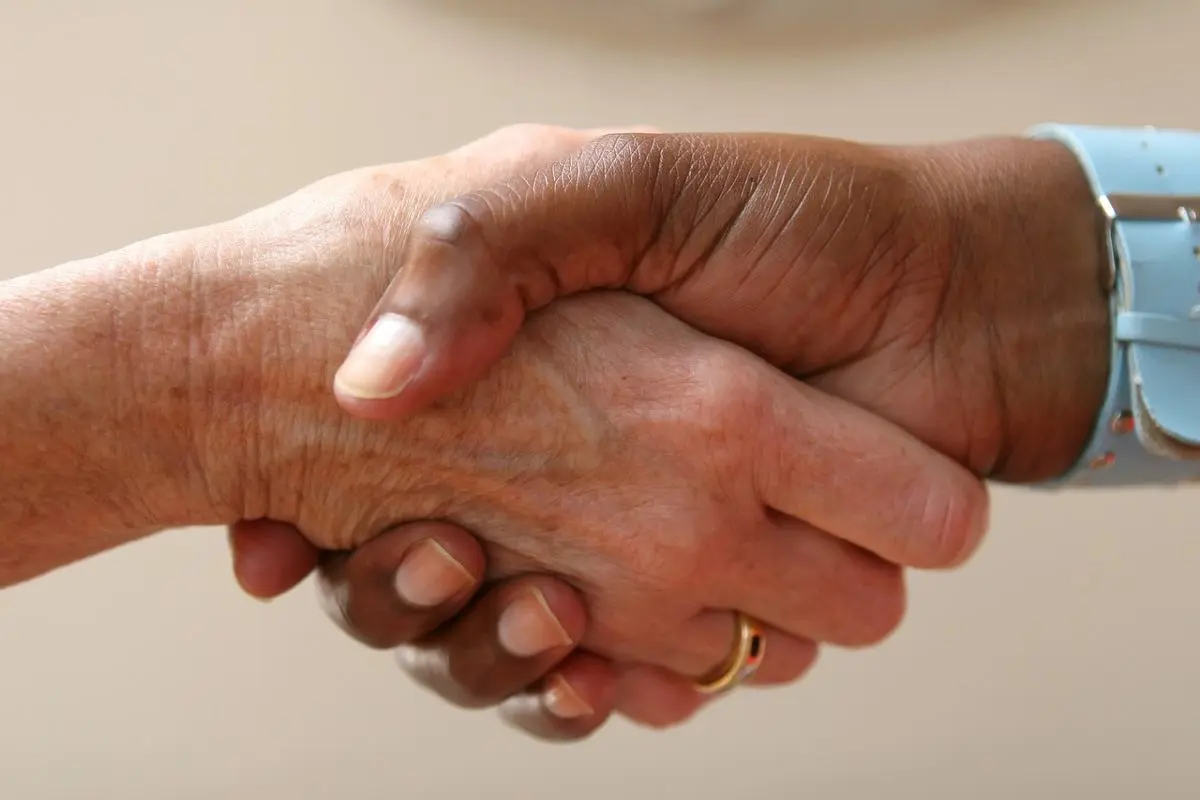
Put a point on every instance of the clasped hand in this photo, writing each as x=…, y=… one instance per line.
x=632, y=481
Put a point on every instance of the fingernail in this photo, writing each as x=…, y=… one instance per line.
x=429, y=576
x=563, y=701
x=384, y=360
x=528, y=626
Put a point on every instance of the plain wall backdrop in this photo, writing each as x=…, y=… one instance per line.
x=1061, y=662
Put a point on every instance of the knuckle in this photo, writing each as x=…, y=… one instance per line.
x=369, y=184
x=477, y=687
x=416, y=662
x=361, y=604
x=643, y=167
x=454, y=222
x=680, y=564
x=455, y=676
x=725, y=385
x=374, y=630
x=638, y=150
x=646, y=172
x=335, y=600
x=726, y=392
x=956, y=518
x=427, y=667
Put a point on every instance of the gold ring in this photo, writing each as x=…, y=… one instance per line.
x=744, y=660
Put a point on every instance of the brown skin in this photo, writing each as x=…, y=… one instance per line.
x=187, y=464
x=453, y=649
x=185, y=381
x=955, y=289
x=637, y=500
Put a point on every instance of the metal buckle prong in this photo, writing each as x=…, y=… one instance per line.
x=1125, y=207
x=1150, y=207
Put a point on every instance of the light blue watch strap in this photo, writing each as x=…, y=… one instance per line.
x=1147, y=183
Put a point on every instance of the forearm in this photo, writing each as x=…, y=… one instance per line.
x=94, y=420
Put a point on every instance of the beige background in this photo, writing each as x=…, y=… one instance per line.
x=1062, y=662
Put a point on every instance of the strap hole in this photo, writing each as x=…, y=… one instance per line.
x=1160, y=169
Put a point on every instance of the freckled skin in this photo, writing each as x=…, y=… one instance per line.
x=867, y=271
x=653, y=466
x=614, y=446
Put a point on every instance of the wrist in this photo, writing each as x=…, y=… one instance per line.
x=279, y=297
x=162, y=361
x=94, y=416
x=1029, y=268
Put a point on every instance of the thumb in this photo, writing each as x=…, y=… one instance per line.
x=476, y=265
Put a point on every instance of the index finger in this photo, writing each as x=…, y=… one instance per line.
x=839, y=467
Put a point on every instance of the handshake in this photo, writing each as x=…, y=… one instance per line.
x=638, y=418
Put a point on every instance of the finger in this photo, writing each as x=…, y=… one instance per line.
x=269, y=557
x=510, y=637
x=701, y=647
x=402, y=584
x=851, y=473
x=657, y=698
x=477, y=264
x=785, y=657
x=810, y=584
x=571, y=703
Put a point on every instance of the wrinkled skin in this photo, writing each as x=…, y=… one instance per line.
x=916, y=282
x=650, y=465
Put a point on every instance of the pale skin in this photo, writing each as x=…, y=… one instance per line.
x=953, y=289
x=185, y=381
